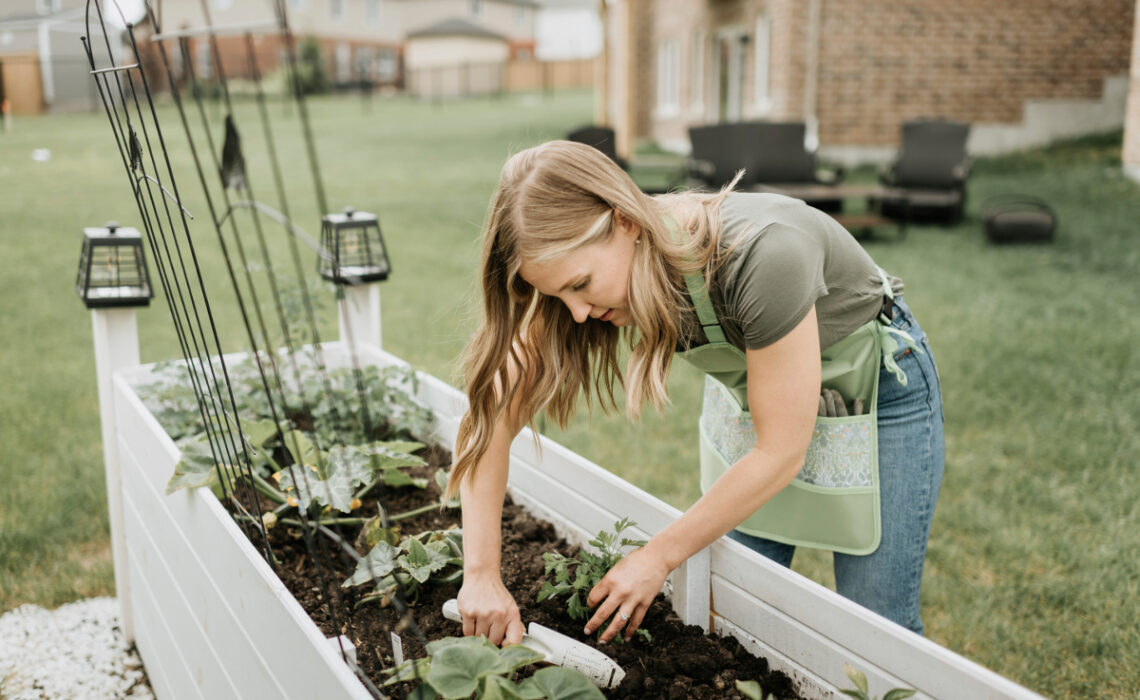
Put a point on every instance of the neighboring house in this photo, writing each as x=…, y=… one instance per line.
x=361, y=40
x=455, y=58
x=1022, y=72
x=42, y=62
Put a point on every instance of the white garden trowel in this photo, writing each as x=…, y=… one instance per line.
x=560, y=650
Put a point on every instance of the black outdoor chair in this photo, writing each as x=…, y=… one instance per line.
x=602, y=138
x=783, y=162
x=772, y=155
x=928, y=176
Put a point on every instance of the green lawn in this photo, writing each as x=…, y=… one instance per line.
x=1033, y=567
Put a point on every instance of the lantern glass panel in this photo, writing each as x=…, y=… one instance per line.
x=352, y=249
x=112, y=268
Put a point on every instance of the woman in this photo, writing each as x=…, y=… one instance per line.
x=756, y=289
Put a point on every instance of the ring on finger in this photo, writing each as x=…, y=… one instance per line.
x=623, y=616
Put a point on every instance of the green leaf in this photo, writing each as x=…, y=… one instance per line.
x=456, y=669
x=420, y=561
x=499, y=688
x=352, y=461
x=576, y=609
x=196, y=466
x=750, y=689
x=423, y=692
x=335, y=491
x=516, y=656
x=857, y=677
x=557, y=683
x=259, y=432
x=303, y=451
x=899, y=694
x=407, y=671
x=379, y=562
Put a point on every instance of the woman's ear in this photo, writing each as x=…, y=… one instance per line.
x=626, y=225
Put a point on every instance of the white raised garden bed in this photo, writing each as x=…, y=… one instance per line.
x=211, y=619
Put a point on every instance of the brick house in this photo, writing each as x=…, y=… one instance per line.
x=1022, y=72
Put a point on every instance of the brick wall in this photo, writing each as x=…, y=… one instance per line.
x=974, y=60
x=884, y=61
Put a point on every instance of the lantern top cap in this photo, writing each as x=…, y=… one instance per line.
x=112, y=231
x=351, y=216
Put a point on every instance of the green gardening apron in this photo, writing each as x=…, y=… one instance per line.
x=833, y=503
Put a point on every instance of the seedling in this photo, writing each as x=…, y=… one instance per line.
x=861, y=692
x=417, y=561
x=472, y=667
x=588, y=569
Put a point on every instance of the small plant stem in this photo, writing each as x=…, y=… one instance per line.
x=267, y=489
x=412, y=513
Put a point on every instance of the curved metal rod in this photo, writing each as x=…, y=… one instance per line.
x=276, y=216
x=168, y=194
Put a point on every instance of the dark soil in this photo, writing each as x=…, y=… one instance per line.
x=680, y=662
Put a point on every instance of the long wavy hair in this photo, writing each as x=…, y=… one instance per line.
x=553, y=199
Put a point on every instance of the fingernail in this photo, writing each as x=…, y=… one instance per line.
x=588, y=630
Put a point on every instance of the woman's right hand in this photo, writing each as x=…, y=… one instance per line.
x=489, y=610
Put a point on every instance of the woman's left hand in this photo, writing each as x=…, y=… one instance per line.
x=627, y=590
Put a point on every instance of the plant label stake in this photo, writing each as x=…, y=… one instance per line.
x=560, y=650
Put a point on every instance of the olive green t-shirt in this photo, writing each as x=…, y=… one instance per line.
x=785, y=257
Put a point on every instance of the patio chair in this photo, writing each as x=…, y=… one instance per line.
x=772, y=155
x=782, y=162
x=928, y=176
x=602, y=138
x=717, y=152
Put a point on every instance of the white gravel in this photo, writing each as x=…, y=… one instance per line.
x=75, y=651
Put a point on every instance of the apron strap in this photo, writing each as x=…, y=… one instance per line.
x=699, y=293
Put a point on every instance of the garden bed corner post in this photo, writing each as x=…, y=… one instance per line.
x=359, y=314
x=116, y=339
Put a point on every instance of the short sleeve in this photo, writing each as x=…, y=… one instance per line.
x=771, y=281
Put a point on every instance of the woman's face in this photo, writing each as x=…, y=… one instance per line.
x=593, y=280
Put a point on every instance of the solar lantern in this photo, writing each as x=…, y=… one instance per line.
x=352, y=248
x=112, y=268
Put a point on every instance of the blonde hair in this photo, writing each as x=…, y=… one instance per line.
x=553, y=199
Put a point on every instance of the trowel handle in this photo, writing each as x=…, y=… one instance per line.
x=451, y=610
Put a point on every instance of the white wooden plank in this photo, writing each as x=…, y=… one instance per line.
x=160, y=648
x=201, y=657
x=808, y=685
x=821, y=630
x=240, y=594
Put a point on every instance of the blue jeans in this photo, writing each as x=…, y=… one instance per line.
x=912, y=454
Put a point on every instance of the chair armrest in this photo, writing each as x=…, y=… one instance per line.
x=830, y=175
x=699, y=169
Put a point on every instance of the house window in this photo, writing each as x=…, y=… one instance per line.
x=47, y=7
x=697, y=71
x=343, y=63
x=763, y=56
x=476, y=8
x=204, y=60
x=522, y=14
x=296, y=4
x=223, y=4
x=374, y=11
x=336, y=9
x=365, y=63
x=386, y=65
x=668, y=78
